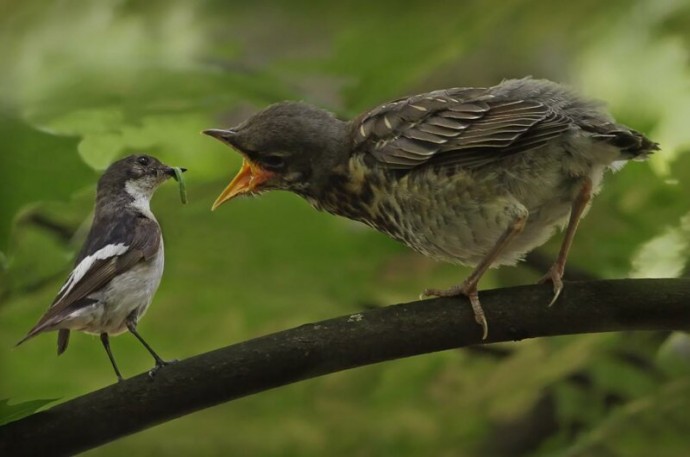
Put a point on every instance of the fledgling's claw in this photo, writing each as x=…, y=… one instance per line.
x=479, y=316
x=450, y=292
x=469, y=291
x=554, y=276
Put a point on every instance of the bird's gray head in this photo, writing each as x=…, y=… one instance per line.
x=138, y=175
x=289, y=146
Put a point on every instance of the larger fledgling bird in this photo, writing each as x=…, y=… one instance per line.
x=475, y=176
x=119, y=268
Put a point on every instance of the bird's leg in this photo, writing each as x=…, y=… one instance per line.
x=132, y=326
x=469, y=286
x=555, y=273
x=106, y=345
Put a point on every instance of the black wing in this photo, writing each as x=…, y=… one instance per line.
x=141, y=243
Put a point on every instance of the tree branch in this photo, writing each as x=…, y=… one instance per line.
x=338, y=344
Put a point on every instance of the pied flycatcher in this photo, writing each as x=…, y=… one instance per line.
x=120, y=265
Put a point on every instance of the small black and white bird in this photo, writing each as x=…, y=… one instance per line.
x=119, y=268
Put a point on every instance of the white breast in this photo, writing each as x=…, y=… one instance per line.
x=129, y=292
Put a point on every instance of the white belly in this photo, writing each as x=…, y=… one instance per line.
x=129, y=292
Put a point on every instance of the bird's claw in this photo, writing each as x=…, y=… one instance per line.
x=468, y=291
x=557, y=288
x=450, y=292
x=481, y=320
x=479, y=316
x=554, y=276
x=160, y=363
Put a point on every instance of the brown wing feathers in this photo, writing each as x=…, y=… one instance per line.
x=460, y=126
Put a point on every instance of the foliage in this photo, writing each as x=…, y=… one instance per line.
x=86, y=82
x=9, y=413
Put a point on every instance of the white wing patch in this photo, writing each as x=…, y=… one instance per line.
x=106, y=252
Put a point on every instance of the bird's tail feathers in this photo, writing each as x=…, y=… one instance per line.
x=633, y=144
x=33, y=332
x=62, y=340
x=38, y=328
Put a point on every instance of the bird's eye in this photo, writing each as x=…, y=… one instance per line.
x=274, y=162
x=144, y=160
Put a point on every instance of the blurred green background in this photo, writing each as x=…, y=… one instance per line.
x=83, y=83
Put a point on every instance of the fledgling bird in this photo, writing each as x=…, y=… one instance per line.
x=119, y=268
x=474, y=176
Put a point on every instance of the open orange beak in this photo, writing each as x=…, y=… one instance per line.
x=247, y=180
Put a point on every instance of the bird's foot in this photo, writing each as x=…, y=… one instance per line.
x=469, y=291
x=450, y=292
x=554, y=276
x=160, y=363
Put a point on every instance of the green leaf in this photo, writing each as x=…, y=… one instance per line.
x=35, y=166
x=11, y=413
x=665, y=255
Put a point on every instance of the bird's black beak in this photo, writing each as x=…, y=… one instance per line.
x=225, y=136
x=170, y=171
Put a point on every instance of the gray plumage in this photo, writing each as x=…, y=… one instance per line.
x=476, y=176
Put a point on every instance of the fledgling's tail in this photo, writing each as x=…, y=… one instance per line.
x=633, y=144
